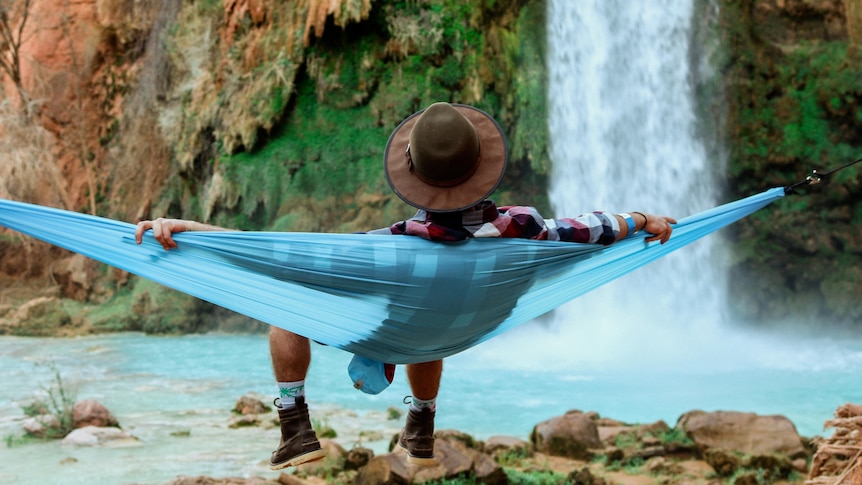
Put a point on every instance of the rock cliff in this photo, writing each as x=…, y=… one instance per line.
x=258, y=114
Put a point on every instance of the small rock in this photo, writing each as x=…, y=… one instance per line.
x=244, y=421
x=583, y=477
x=92, y=413
x=40, y=426
x=508, y=446
x=659, y=465
x=724, y=463
x=358, y=457
x=572, y=435
x=95, y=436
x=251, y=404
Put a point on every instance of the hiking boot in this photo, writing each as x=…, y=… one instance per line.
x=299, y=443
x=417, y=437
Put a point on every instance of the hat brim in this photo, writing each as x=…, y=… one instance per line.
x=493, y=156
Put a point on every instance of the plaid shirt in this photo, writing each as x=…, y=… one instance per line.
x=487, y=220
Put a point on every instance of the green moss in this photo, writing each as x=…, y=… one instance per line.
x=161, y=310
x=115, y=315
x=328, y=150
x=791, y=109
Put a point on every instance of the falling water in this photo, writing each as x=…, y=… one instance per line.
x=622, y=123
x=622, y=127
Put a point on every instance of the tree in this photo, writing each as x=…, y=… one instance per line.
x=13, y=18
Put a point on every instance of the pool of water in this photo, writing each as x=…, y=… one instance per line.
x=174, y=394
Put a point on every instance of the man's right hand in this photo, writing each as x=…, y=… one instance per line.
x=163, y=230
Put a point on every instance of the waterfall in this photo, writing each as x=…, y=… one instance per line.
x=622, y=128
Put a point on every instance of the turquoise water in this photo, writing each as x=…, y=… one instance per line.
x=157, y=386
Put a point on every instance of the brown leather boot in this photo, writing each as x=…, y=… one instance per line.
x=299, y=442
x=417, y=437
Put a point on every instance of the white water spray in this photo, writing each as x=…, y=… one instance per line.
x=622, y=136
x=622, y=130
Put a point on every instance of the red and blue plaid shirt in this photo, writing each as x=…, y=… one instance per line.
x=487, y=220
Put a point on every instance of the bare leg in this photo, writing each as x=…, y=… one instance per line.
x=424, y=379
x=291, y=355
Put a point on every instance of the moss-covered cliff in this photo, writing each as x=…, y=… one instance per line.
x=794, y=87
x=257, y=114
x=279, y=112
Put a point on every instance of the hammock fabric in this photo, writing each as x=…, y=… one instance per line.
x=394, y=299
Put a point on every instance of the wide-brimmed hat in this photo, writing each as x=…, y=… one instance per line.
x=445, y=158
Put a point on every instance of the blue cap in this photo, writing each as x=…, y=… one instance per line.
x=370, y=376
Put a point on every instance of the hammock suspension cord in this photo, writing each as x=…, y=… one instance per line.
x=816, y=177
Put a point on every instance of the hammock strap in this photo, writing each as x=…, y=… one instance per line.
x=816, y=177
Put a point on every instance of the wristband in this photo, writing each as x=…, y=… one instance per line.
x=645, y=219
x=630, y=222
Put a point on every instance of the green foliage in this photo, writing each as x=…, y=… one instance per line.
x=600, y=459
x=116, y=315
x=512, y=457
x=59, y=400
x=342, y=147
x=517, y=477
x=675, y=435
x=453, y=481
x=792, y=108
x=626, y=440
x=34, y=408
x=803, y=109
x=634, y=465
x=13, y=441
x=393, y=413
x=323, y=429
x=305, y=153
x=160, y=310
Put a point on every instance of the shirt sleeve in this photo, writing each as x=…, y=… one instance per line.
x=526, y=222
x=592, y=227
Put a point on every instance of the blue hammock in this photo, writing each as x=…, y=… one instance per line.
x=392, y=299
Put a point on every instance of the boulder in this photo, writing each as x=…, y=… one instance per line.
x=201, y=480
x=75, y=276
x=96, y=436
x=454, y=459
x=251, y=404
x=358, y=457
x=42, y=316
x=746, y=433
x=388, y=469
x=500, y=446
x=573, y=435
x=244, y=421
x=40, y=426
x=336, y=457
x=583, y=476
x=725, y=463
x=659, y=465
x=92, y=413
x=486, y=470
x=288, y=479
x=465, y=455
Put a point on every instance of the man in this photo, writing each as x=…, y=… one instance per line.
x=444, y=160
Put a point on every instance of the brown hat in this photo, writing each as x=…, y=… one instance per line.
x=445, y=158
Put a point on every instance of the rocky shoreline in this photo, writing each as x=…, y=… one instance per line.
x=723, y=447
x=583, y=448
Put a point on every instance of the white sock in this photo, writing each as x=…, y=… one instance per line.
x=289, y=391
x=420, y=404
